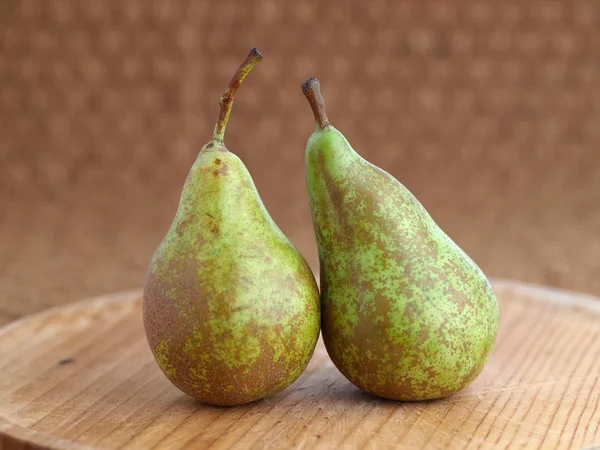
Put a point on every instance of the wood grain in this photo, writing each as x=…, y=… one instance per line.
x=81, y=376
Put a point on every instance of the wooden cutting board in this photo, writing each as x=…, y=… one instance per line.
x=82, y=376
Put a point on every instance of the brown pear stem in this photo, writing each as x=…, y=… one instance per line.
x=226, y=101
x=312, y=91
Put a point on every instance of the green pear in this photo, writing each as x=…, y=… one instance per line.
x=406, y=314
x=230, y=306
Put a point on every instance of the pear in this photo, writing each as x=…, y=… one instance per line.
x=406, y=314
x=230, y=306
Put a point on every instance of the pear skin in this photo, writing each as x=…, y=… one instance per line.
x=230, y=306
x=406, y=314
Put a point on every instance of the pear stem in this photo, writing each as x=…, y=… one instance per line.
x=226, y=101
x=312, y=91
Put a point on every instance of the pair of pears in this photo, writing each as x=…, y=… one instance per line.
x=232, y=311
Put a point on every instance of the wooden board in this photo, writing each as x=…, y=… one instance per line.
x=81, y=376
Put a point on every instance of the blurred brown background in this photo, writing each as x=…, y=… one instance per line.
x=488, y=111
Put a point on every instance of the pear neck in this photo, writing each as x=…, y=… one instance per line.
x=325, y=128
x=214, y=145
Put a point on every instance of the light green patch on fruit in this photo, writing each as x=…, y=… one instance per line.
x=199, y=374
x=194, y=343
x=182, y=308
x=161, y=354
x=367, y=306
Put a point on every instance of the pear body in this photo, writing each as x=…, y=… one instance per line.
x=230, y=306
x=406, y=314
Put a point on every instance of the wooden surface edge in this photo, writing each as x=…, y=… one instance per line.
x=131, y=294
x=14, y=436
x=556, y=296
